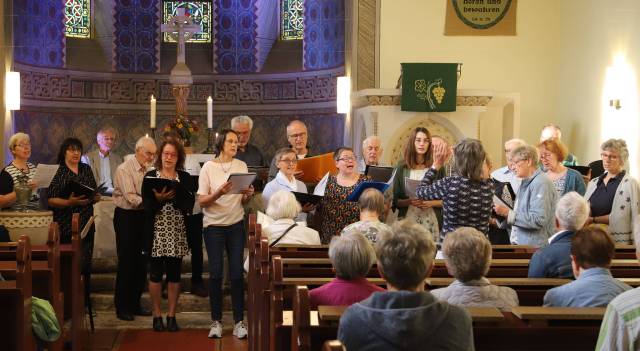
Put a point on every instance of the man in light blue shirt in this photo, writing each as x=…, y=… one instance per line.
x=592, y=250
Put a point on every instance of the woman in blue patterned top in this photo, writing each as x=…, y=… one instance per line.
x=467, y=195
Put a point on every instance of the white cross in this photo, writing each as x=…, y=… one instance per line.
x=181, y=28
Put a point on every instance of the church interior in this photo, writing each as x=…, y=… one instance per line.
x=74, y=67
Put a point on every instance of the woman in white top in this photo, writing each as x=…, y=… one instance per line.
x=224, y=228
x=286, y=160
x=284, y=208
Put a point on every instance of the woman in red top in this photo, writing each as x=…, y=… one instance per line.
x=352, y=256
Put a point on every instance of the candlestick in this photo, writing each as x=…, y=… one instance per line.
x=209, y=112
x=210, y=142
x=153, y=112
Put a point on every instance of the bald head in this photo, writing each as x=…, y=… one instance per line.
x=372, y=150
x=297, y=136
x=550, y=131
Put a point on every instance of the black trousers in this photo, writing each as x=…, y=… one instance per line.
x=194, y=239
x=132, y=265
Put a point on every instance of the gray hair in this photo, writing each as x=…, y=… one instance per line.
x=572, y=211
x=467, y=253
x=469, y=156
x=525, y=152
x=283, y=151
x=372, y=199
x=619, y=146
x=405, y=254
x=104, y=130
x=144, y=142
x=16, y=138
x=518, y=142
x=351, y=255
x=283, y=204
x=369, y=139
x=242, y=119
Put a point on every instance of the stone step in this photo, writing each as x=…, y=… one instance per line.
x=110, y=264
x=103, y=302
x=106, y=282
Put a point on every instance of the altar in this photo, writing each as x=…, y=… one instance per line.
x=486, y=115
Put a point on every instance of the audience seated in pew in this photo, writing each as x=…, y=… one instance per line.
x=592, y=249
x=372, y=207
x=554, y=260
x=352, y=256
x=620, y=329
x=467, y=254
x=284, y=209
x=405, y=317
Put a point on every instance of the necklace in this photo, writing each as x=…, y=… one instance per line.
x=24, y=170
x=222, y=165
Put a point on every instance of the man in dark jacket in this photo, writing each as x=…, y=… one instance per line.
x=405, y=317
x=554, y=261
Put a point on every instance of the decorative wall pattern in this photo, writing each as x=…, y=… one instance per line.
x=198, y=11
x=38, y=28
x=77, y=18
x=136, y=36
x=48, y=129
x=291, y=19
x=235, y=36
x=64, y=85
x=323, y=42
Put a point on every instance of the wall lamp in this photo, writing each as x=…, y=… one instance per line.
x=12, y=91
x=344, y=94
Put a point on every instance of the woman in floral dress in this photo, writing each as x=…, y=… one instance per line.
x=337, y=212
x=165, y=228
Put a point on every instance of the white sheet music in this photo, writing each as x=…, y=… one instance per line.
x=44, y=174
x=241, y=181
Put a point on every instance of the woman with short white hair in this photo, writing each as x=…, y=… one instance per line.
x=284, y=208
x=614, y=196
x=371, y=204
x=467, y=255
x=352, y=256
x=531, y=219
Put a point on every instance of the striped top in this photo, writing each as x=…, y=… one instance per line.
x=620, y=329
x=14, y=171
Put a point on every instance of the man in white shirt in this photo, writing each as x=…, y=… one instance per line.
x=371, y=153
x=103, y=161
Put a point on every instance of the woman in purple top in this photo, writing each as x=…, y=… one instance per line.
x=352, y=256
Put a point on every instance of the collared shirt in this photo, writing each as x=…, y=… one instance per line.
x=554, y=236
x=105, y=172
x=127, y=193
x=504, y=175
x=280, y=182
x=595, y=287
x=620, y=328
x=601, y=200
x=251, y=156
x=478, y=293
x=553, y=260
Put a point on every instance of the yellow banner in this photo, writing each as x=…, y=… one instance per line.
x=481, y=17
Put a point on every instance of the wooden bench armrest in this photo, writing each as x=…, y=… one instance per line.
x=558, y=313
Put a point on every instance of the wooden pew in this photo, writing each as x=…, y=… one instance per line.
x=543, y=316
x=15, y=300
x=333, y=345
x=45, y=267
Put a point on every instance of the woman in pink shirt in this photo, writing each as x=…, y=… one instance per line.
x=352, y=256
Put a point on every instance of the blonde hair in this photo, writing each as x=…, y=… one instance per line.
x=16, y=138
x=467, y=253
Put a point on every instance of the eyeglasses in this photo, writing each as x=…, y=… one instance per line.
x=149, y=154
x=289, y=161
x=546, y=155
x=609, y=156
x=170, y=154
x=296, y=136
x=347, y=159
x=24, y=146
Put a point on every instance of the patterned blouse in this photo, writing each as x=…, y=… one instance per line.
x=60, y=188
x=169, y=231
x=10, y=177
x=465, y=203
x=337, y=212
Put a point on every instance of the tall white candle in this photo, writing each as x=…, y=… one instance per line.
x=209, y=112
x=153, y=112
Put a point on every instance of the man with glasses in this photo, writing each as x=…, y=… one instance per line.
x=103, y=161
x=251, y=155
x=128, y=223
x=297, y=136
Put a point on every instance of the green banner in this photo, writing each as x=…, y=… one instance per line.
x=429, y=87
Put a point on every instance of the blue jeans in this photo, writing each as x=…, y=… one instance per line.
x=216, y=239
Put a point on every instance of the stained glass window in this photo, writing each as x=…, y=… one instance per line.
x=291, y=20
x=200, y=13
x=77, y=18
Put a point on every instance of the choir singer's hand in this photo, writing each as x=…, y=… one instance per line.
x=78, y=200
x=224, y=188
x=501, y=210
x=308, y=207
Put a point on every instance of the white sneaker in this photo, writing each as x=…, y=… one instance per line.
x=216, y=330
x=240, y=330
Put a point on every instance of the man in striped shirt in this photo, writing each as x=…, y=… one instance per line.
x=620, y=329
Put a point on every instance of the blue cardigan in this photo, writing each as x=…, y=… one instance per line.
x=574, y=182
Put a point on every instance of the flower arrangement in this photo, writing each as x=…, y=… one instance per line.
x=184, y=127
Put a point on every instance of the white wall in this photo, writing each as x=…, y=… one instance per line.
x=556, y=62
